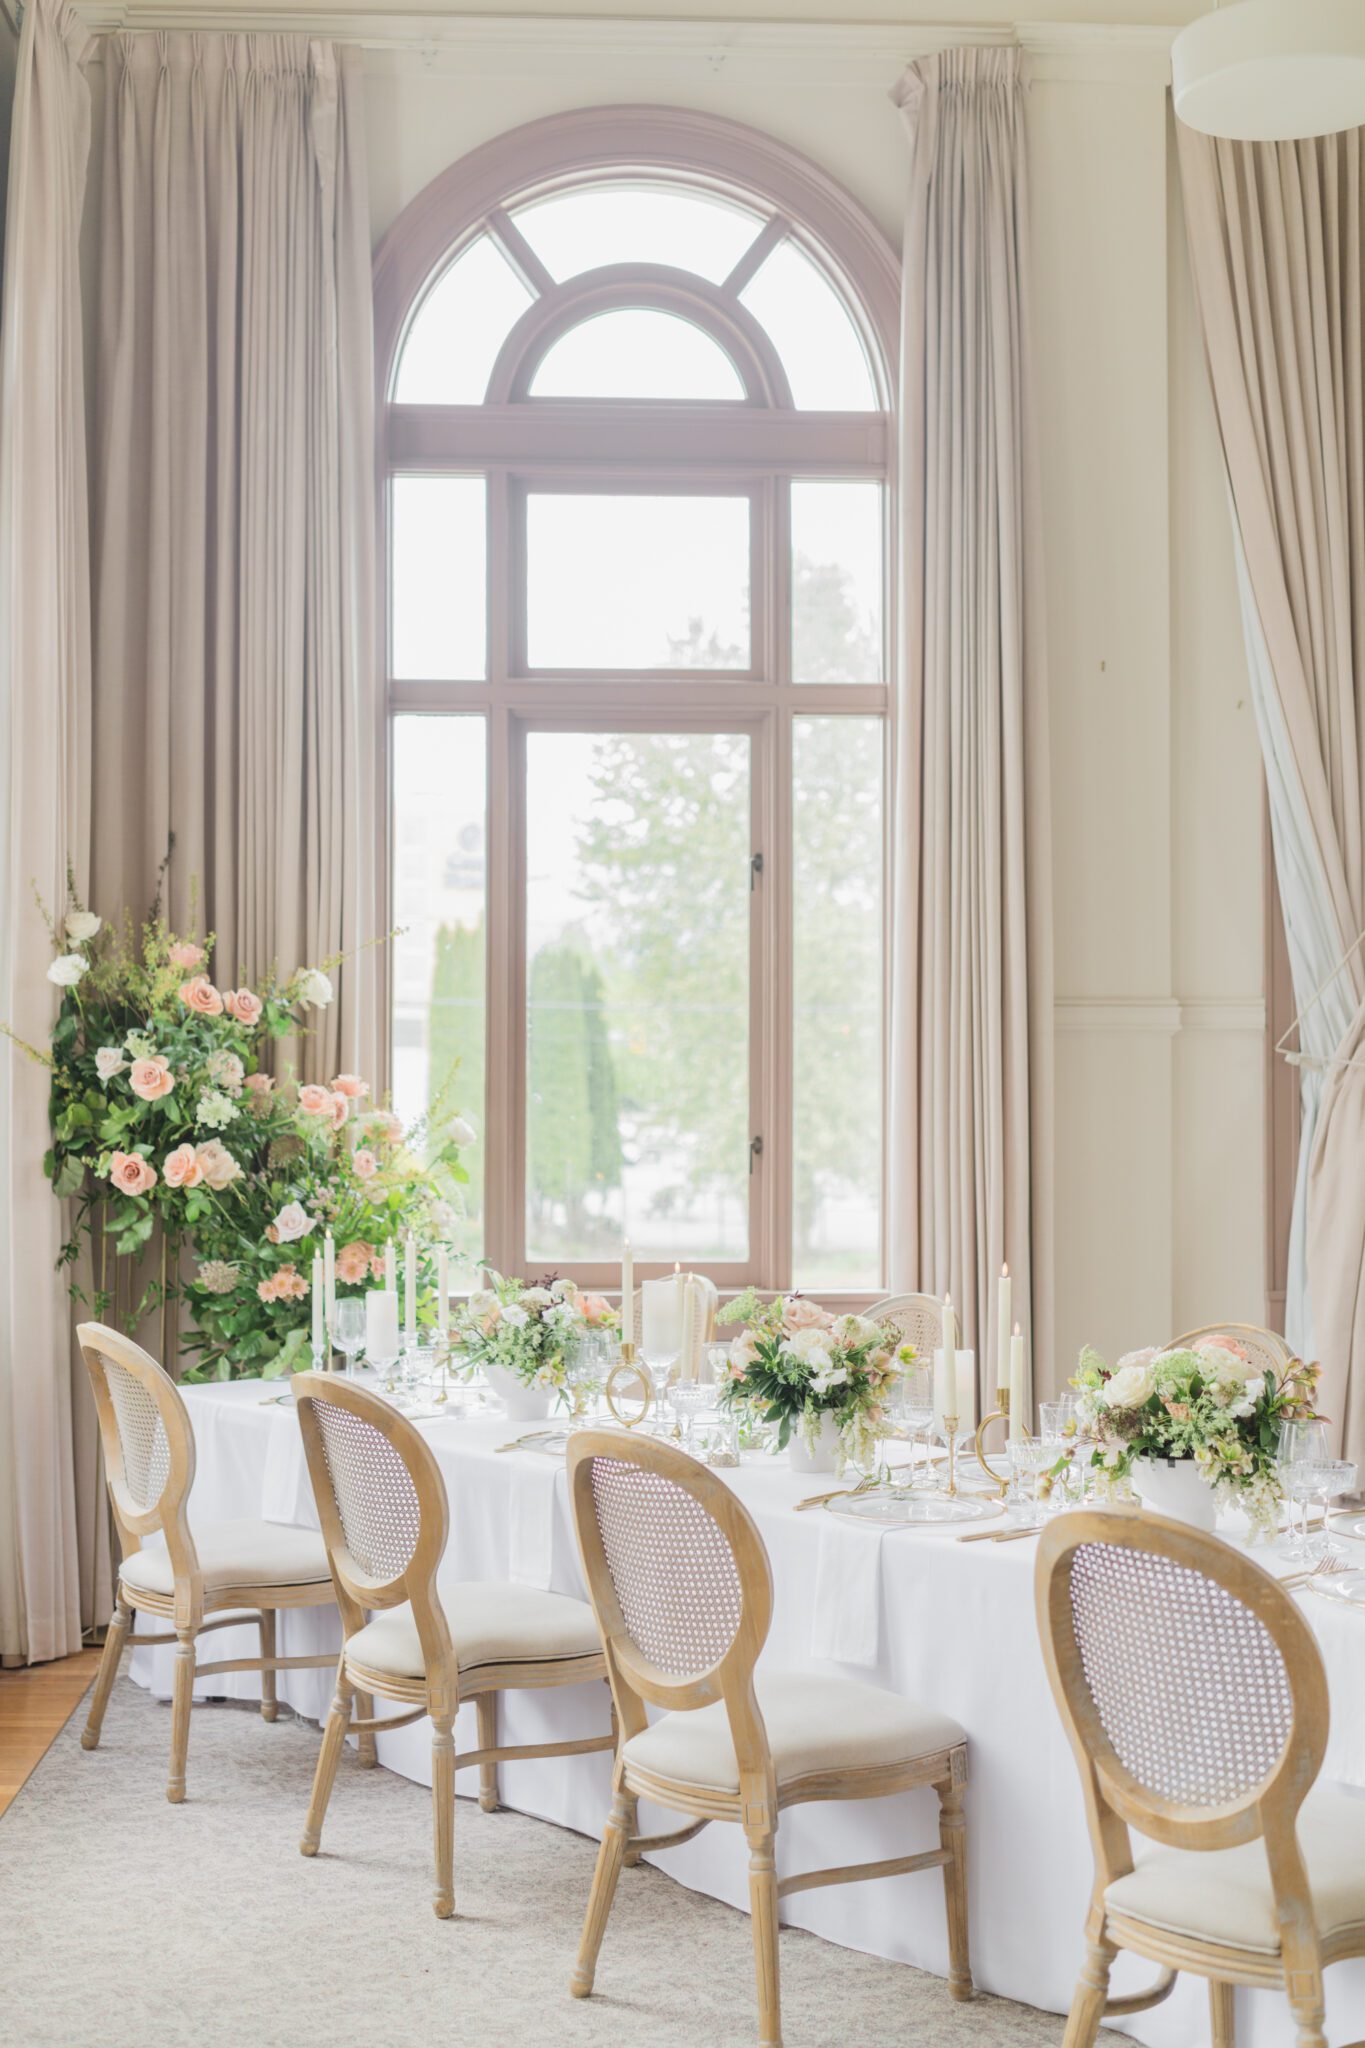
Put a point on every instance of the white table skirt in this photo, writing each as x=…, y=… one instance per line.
x=952, y=1625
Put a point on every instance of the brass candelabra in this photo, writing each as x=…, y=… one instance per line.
x=999, y=1414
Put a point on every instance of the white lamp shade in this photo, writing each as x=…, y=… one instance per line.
x=1272, y=70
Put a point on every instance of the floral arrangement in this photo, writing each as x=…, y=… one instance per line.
x=163, y=1117
x=526, y=1331
x=797, y=1363
x=1207, y=1403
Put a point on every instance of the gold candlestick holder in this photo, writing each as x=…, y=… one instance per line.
x=1000, y=1414
x=628, y=1369
x=950, y=1436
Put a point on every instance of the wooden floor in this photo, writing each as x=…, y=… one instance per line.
x=35, y=1705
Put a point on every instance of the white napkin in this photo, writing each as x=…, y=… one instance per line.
x=286, y=1494
x=846, y=1625
x=531, y=1522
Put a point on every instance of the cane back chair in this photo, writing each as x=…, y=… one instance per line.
x=917, y=1317
x=385, y=1519
x=1266, y=1350
x=680, y=1581
x=262, y=1566
x=1194, y=1697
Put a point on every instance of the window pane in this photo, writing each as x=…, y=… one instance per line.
x=636, y=352
x=812, y=333
x=459, y=327
x=837, y=582
x=577, y=231
x=837, y=1001
x=439, y=838
x=438, y=588
x=637, y=582
x=637, y=919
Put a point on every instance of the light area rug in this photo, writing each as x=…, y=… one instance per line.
x=129, y=1923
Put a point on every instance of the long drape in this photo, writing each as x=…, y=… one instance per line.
x=45, y=780
x=234, y=508
x=971, y=1046
x=1277, y=243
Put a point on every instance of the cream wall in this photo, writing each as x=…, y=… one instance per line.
x=1157, y=796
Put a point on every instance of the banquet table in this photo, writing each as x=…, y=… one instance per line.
x=914, y=1610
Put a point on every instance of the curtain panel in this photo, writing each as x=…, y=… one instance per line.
x=233, y=532
x=45, y=776
x=971, y=1043
x=1277, y=245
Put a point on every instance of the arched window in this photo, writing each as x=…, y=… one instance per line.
x=636, y=421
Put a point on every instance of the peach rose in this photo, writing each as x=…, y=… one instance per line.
x=800, y=1313
x=351, y=1085
x=201, y=996
x=365, y=1163
x=181, y=1168
x=151, y=1078
x=286, y=1285
x=354, y=1262
x=1222, y=1342
x=131, y=1173
x=315, y=1100
x=341, y=1109
x=217, y=1166
x=183, y=954
x=596, y=1310
x=242, y=1004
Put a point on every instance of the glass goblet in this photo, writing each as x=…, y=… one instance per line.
x=348, y=1328
x=660, y=1367
x=1301, y=1445
x=1329, y=1482
x=1030, y=1458
x=912, y=1410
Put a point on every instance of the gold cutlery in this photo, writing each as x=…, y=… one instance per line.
x=999, y=1535
x=817, y=1500
x=537, y=1436
x=1324, y=1568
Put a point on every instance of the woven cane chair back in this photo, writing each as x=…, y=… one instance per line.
x=1188, y=1678
x=677, y=1572
x=145, y=1431
x=380, y=1498
x=1266, y=1352
x=917, y=1319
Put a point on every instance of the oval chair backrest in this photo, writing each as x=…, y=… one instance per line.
x=677, y=1574
x=1265, y=1351
x=917, y=1317
x=381, y=1503
x=147, y=1439
x=1188, y=1680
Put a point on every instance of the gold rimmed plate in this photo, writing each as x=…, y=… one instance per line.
x=1346, y=1588
x=887, y=1510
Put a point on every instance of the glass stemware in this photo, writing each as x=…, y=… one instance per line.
x=1328, y=1482
x=1030, y=1458
x=912, y=1411
x=1302, y=1448
x=348, y=1328
x=660, y=1366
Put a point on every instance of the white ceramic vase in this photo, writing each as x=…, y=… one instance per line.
x=1176, y=1487
x=823, y=1456
x=524, y=1404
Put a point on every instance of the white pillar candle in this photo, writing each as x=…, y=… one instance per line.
x=391, y=1267
x=329, y=1279
x=661, y=1318
x=443, y=1291
x=1002, y=1360
x=1018, y=1395
x=319, y=1303
x=963, y=1385
x=381, y=1325
x=627, y=1294
x=410, y=1289
x=689, y=1370
x=945, y=1367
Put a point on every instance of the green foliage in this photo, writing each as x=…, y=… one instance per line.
x=573, y=1139
x=457, y=1046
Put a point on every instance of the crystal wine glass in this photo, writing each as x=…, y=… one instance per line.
x=1328, y=1482
x=1302, y=1446
x=912, y=1409
x=348, y=1328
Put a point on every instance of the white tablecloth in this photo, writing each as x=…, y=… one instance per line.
x=950, y=1624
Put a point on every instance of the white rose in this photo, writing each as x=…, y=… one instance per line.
x=1129, y=1387
x=516, y=1315
x=829, y=1377
x=292, y=1222
x=564, y=1290
x=109, y=1061
x=67, y=969
x=81, y=926
x=535, y=1297
x=462, y=1132
x=314, y=988
x=809, y=1347
x=481, y=1302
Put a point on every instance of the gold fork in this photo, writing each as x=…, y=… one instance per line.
x=817, y=1500
x=1324, y=1568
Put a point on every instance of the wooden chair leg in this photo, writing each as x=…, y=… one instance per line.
x=333, y=1736
x=443, y=1815
x=633, y=1856
x=364, y=1711
x=763, y=1912
x=182, y=1697
x=1092, y=1993
x=1222, y=2018
x=104, y=1683
x=952, y=1834
x=269, y=1704
x=610, y=1856
x=487, y=1707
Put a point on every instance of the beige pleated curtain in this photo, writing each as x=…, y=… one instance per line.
x=1277, y=242
x=971, y=1047
x=233, y=508
x=45, y=779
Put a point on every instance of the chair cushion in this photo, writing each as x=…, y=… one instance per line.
x=1224, y=1895
x=491, y=1622
x=236, y=1554
x=814, y=1723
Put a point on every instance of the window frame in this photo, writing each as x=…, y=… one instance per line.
x=754, y=446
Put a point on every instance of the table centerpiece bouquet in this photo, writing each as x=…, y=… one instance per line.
x=820, y=1378
x=197, y=1176
x=520, y=1337
x=1202, y=1416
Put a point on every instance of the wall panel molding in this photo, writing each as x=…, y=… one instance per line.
x=1157, y=1016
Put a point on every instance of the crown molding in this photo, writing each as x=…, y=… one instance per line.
x=475, y=43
